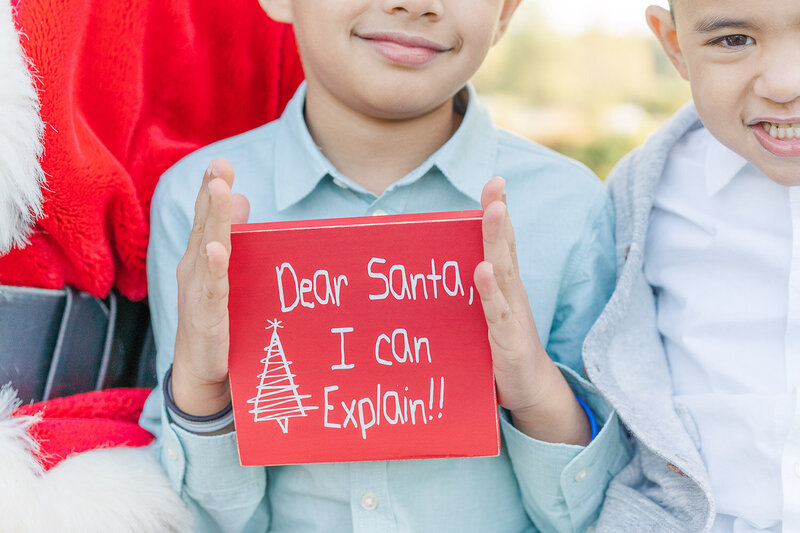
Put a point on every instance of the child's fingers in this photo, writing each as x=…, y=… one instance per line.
x=216, y=227
x=513, y=340
x=500, y=253
x=495, y=246
x=202, y=341
x=201, y=205
x=495, y=191
x=511, y=241
x=504, y=328
x=240, y=209
x=218, y=221
x=214, y=300
x=499, y=230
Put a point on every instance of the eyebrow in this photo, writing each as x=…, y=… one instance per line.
x=713, y=24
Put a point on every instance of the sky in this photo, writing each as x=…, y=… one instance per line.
x=577, y=16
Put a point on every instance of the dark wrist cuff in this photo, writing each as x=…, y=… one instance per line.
x=195, y=424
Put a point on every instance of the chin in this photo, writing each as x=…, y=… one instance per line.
x=400, y=102
x=399, y=110
x=787, y=173
x=785, y=178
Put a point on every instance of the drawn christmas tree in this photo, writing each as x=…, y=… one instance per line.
x=277, y=397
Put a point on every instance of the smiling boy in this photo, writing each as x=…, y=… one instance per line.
x=387, y=123
x=699, y=349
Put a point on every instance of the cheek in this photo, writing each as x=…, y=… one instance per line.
x=475, y=50
x=717, y=99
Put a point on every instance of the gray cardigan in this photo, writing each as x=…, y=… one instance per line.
x=665, y=488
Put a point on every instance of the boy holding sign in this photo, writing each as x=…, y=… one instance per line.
x=387, y=124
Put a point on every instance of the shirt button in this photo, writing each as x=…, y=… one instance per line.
x=172, y=453
x=339, y=183
x=580, y=476
x=379, y=212
x=369, y=501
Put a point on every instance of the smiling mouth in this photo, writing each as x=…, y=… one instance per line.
x=782, y=131
x=781, y=139
x=404, y=49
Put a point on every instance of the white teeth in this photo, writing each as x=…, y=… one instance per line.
x=782, y=131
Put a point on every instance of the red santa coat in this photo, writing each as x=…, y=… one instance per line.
x=125, y=89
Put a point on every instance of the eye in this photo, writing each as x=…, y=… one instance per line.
x=734, y=41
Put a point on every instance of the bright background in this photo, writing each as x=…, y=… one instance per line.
x=584, y=77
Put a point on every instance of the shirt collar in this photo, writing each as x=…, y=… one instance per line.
x=467, y=159
x=722, y=164
x=299, y=163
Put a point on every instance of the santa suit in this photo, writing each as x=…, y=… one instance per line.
x=97, y=98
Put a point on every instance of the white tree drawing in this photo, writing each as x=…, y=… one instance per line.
x=277, y=397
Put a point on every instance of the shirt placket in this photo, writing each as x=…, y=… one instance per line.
x=370, y=505
x=790, y=464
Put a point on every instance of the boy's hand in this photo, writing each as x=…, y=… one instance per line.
x=200, y=369
x=529, y=385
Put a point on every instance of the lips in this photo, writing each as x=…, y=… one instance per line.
x=404, y=49
x=778, y=138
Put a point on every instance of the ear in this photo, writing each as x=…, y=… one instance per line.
x=661, y=22
x=509, y=7
x=278, y=10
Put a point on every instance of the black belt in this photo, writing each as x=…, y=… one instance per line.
x=61, y=342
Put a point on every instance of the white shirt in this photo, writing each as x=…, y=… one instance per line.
x=723, y=254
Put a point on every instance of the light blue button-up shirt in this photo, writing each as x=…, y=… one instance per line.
x=564, y=226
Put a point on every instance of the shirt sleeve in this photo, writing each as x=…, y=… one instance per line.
x=204, y=470
x=563, y=486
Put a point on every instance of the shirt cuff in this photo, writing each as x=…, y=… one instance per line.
x=207, y=468
x=563, y=485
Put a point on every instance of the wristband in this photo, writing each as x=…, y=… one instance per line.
x=590, y=416
x=196, y=424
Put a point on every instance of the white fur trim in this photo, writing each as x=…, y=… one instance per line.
x=21, y=132
x=116, y=489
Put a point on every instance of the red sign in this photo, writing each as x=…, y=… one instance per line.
x=360, y=339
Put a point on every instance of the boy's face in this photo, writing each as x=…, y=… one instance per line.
x=392, y=59
x=742, y=59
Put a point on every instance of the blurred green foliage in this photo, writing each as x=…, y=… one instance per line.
x=593, y=96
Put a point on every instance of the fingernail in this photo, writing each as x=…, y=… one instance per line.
x=212, y=170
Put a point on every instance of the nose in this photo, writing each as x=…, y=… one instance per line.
x=432, y=9
x=779, y=76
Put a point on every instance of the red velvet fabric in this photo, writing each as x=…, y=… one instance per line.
x=88, y=421
x=127, y=89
